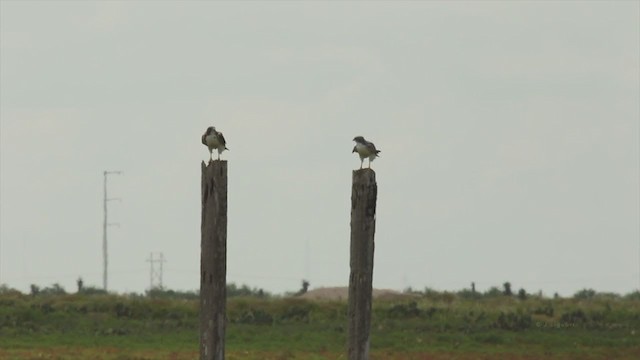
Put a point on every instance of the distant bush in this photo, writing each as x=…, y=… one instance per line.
x=546, y=309
x=585, y=294
x=404, y=310
x=92, y=290
x=430, y=293
x=633, y=295
x=54, y=289
x=522, y=294
x=291, y=309
x=247, y=310
x=255, y=316
x=574, y=317
x=493, y=292
x=469, y=294
x=159, y=293
x=304, y=288
x=244, y=290
x=513, y=321
x=35, y=290
x=507, y=289
x=6, y=290
x=607, y=296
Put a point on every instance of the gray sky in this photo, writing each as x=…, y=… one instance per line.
x=509, y=134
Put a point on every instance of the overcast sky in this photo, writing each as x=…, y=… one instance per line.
x=509, y=133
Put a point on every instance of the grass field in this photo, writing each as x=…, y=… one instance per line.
x=435, y=326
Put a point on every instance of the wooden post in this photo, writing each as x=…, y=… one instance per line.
x=364, y=192
x=213, y=260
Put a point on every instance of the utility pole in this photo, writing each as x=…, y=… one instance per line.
x=213, y=260
x=364, y=194
x=104, y=228
x=155, y=275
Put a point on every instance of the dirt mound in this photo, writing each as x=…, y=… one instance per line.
x=342, y=293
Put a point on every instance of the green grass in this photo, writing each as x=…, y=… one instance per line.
x=121, y=327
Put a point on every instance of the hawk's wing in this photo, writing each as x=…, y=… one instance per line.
x=221, y=140
x=372, y=148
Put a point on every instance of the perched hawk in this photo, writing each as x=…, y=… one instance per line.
x=365, y=149
x=214, y=140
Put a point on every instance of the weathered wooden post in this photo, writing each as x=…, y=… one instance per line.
x=213, y=260
x=364, y=193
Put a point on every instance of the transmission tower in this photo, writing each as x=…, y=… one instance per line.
x=155, y=273
x=104, y=228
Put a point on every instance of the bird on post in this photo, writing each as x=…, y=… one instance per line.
x=214, y=140
x=365, y=149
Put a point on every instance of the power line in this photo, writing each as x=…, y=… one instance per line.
x=106, y=224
